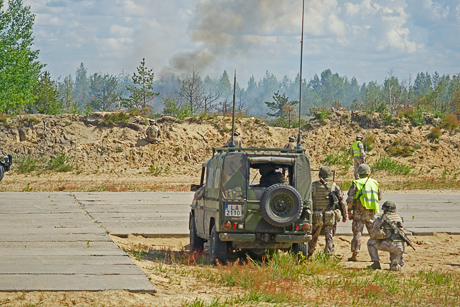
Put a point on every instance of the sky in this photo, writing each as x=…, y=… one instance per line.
x=366, y=39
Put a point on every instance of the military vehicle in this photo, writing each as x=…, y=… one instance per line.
x=5, y=164
x=234, y=211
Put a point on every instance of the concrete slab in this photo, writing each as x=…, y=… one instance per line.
x=50, y=243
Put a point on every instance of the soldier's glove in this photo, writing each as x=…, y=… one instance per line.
x=344, y=219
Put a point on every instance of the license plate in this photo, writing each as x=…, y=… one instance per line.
x=233, y=210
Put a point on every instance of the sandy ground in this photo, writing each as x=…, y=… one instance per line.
x=177, y=287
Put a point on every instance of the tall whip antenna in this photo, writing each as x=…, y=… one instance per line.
x=232, y=144
x=299, y=142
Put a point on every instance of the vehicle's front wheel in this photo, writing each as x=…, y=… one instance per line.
x=196, y=243
x=218, y=248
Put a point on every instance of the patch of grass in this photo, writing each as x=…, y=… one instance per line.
x=342, y=159
x=369, y=142
x=322, y=115
x=60, y=163
x=157, y=170
x=400, y=148
x=27, y=164
x=115, y=119
x=30, y=120
x=435, y=133
x=391, y=166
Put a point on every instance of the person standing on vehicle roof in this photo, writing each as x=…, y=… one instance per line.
x=363, y=201
x=325, y=215
x=384, y=238
x=358, y=154
x=236, y=140
x=291, y=144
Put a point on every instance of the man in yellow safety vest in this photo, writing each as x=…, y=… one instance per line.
x=363, y=201
x=358, y=154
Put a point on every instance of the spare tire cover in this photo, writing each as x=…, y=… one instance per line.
x=281, y=205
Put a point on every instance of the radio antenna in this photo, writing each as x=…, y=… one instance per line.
x=232, y=144
x=299, y=137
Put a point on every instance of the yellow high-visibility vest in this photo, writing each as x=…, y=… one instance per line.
x=368, y=193
x=356, y=150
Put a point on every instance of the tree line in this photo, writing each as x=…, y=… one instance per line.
x=26, y=86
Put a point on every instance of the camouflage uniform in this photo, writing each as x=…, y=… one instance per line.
x=292, y=144
x=153, y=134
x=236, y=139
x=358, y=160
x=361, y=217
x=269, y=176
x=380, y=239
x=320, y=203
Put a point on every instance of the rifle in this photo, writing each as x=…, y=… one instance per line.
x=334, y=202
x=397, y=231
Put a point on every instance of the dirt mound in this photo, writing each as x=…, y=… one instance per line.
x=104, y=143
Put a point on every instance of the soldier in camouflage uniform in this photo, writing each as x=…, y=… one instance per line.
x=385, y=239
x=292, y=144
x=358, y=154
x=363, y=201
x=236, y=140
x=270, y=175
x=153, y=132
x=323, y=215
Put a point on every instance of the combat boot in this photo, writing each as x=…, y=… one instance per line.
x=375, y=266
x=395, y=266
x=353, y=257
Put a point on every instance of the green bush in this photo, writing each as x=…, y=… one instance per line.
x=435, y=133
x=115, y=119
x=343, y=159
x=450, y=122
x=391, y=166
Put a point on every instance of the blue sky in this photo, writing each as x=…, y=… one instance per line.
x=367, y=39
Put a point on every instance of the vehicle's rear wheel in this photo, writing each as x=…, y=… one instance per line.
x=2, y=172
x=218, y=248
x=281, y=205
x=196, y=243
x=298, y=248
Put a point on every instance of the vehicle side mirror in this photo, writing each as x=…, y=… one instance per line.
x=194, y=187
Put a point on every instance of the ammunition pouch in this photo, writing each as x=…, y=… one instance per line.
x=338, y=215
x=329, y=217
x=317, y=218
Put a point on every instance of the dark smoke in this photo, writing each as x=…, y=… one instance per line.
x=229, y=28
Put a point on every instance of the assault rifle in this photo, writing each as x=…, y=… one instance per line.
x=397, y=231
x=334, y=202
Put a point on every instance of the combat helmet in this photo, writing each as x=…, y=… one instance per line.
x=291, y=139
x=325, y=172
x=359, y=137
x=389, y=206
x=152, y=121
x=236, y=133
x=364, y=169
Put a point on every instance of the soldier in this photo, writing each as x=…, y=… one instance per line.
x=270, y=175
x=363, y=201
x=236, y=140
x=291, y=144
x=384, y=238
x=324, y=214
x=358, y=154
x=153, y=132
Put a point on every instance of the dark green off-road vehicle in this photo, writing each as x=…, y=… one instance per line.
x=234, y=209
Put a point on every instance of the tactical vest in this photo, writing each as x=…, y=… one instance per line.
x=368, y=194
x=389, y=233
x=356, y=150
x=321, y=199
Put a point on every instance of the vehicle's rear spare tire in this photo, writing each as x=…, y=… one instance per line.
x=281, y=205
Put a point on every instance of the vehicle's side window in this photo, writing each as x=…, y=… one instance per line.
x=216, y=178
